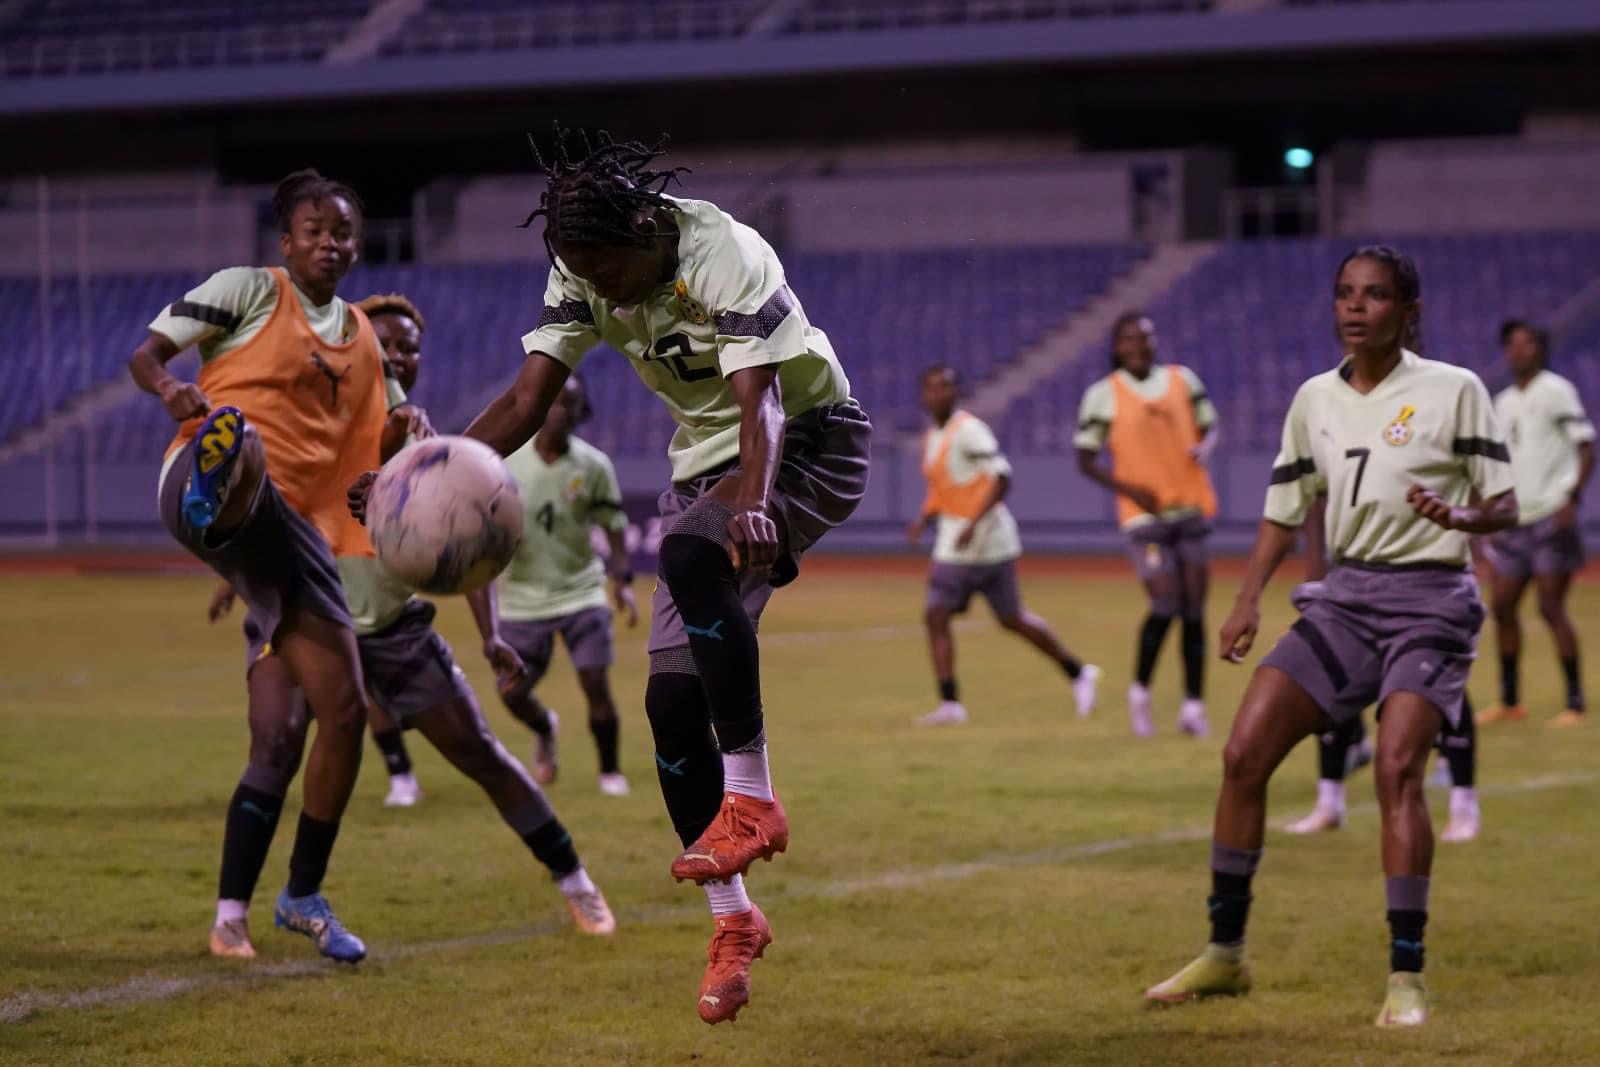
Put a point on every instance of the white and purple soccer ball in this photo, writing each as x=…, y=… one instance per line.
x=445, y=515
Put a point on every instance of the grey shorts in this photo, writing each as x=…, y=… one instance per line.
x=276, y=560
x=1366, y=633
x=1160, y=547
x=586, y=633
x=951, y=586
x=822, y=475
x=1539, y=549
x=408, y=667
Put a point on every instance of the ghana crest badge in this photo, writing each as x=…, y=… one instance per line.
x=1398, y=432
x=690, y=308
x=573, y=488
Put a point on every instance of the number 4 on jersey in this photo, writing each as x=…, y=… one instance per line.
x=546, y=516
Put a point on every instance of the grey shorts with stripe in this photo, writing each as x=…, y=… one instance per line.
x=276, y=560
x=1159, y=547
x=1364, y=633
x=586, y=633
x=951, y=586
x=409, y=668
x=822, y=476
x=1539, y=549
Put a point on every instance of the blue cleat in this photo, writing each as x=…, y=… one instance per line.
x=312, y=916
x=217, y=445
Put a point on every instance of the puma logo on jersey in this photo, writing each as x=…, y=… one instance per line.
x=334, y=377
x=1398, y=432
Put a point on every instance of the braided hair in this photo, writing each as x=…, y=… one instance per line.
x=308, y=184
x=1407, y=284
x=600, y=192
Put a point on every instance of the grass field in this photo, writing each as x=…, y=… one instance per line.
x=998, y=893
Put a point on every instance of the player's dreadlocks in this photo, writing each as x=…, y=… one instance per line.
x=392, y=304
x=1407, y=284
x=308, y=184
x=603, y=196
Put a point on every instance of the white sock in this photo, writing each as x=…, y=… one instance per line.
x=575, y=883
x=1330, y=795
x=746, y=772
x=727, y=899
x=230, y=910
x=1463, y=799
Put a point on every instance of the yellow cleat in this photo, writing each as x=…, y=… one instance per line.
x=231, y=940
x=1217, y=972
x=1570, y=717
x=1407, y=1002
x=1501, y=713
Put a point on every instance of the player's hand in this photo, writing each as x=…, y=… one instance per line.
x=915, y=529
x=509, y=670
x=1432, y=506
x=1239, y=631
x=1565, y=520
x=752, y=541
x=221, y=602
x=409, y=420
x=626, y=604
x=1202, y=451
x=358, y=494
x=184, y=400
x=1144, y=498
x=964, y=538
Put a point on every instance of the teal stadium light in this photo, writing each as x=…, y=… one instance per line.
x=1299, y=158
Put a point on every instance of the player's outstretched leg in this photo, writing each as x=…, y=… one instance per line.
x=457, y=729
x=1085, y=677
x=605, y=727
x=697, y=572
x=1405, y=735
x=526, y=707
x=1273, y=717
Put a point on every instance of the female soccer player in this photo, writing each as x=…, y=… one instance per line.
x=289, y=404
x=1412, y=461
x=1159, y=426
x=1552, y=456
x=976, y=547
x=770, y=454
x=557, y=585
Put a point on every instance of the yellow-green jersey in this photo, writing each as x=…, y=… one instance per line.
x=226, y=310
x=375, y=598
x=555, y=571
x=728, y=309
x=1544, y=423
x=1427, y=423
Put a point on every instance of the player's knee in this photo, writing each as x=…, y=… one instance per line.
x=1165, y=603
x=1011, y=623
x=596, y=690
x=936, y=618
x=1397, y=771
x=1552, y=611
x=1243, y=764
x=688, y=560
x=269, y=777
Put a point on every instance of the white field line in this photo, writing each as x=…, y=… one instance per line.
x=150, y=988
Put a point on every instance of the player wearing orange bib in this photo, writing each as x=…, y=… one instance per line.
x=288, y=408
x=1157, y=423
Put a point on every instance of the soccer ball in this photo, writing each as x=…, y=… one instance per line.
x=445, y=515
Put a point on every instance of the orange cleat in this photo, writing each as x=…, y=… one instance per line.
x=591, y=914
x=745, y=830
x=231, y=940
x=1501, y=713
x=739, y=941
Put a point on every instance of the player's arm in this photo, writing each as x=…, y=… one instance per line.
x=148, y=367
x=1481, y=450
x=503, y=659
x=1091, y=469
x=1481, y=516
x=1205, y=417
x=216, y=306
x=999, y=485
x=222, y=598
x=753, y=536
x=1317, y=539
x=620, y=574
x=516, y=414
x=1273, y=543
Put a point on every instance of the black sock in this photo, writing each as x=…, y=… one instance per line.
x=530, y=713
x=688, y=763
x=552, y=846
x=1229, y=906
x=1072, y=666
x=722, y=639
x=1459, y=747
x=1405, y=939
x=1333, y=750
x=252, y=818
x=308, y=864
x=947, y=689
x=605, y=733
x=1194, y=658
x=1508, y=681
x=1151, y=634
x=393, y=747
x=1569, y=667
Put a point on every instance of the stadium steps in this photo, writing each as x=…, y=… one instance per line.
x=80, y=411
x=368, y=36
x=1086, y=329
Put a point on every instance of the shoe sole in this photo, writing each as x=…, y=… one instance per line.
x=764, y=854
x=201, y=504
x=1168, y=999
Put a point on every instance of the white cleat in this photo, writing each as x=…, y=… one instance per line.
x=1192, y=718
x=1464, y=819
x=404, y=791
x=948, y=713
x=1320, y=821
x=614, y=784
x=1086, y=689
x=1139, y=716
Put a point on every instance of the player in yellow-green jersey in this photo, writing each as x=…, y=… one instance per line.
x=1411, y=458
x=1552, y=456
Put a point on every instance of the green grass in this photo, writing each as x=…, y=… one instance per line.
x=122, y=734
